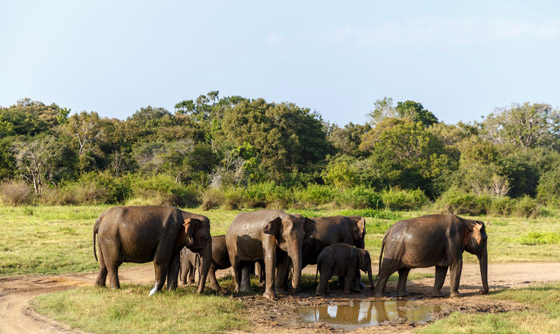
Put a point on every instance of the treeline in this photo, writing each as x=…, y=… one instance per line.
x=216, y=151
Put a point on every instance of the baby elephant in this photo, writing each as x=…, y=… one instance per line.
x=342, y=260
x=190, y=263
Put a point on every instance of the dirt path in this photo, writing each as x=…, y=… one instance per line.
x=17, y=316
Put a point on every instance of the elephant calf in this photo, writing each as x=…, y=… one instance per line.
x=342, y=260
x=190, y=263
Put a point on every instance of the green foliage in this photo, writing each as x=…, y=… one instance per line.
x=164, y=190
x=359, y=197
x=526, y=207
x=540, y=238
x=402, y=200
x=548, y=189
x=314, y=195
x=457, y=202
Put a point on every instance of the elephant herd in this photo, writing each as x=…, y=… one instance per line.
x=281, y=243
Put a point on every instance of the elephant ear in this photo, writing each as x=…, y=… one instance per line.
x=190, y=225
x=362, y=227
x=308, y=227
x=473, y=233
x=274, y=227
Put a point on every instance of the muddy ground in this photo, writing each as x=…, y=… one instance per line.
x=281, y=316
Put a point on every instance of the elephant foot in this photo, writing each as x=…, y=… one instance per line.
x=403, y=294
x=437, y=294
x=269, y=295
x=483, y=291
x=378, y=294
x=281, y=291
x=456, y=295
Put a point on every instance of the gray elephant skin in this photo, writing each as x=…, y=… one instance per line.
x=190, y=263
x=330, y=231
x=343, y=260
x=433, y=240
x=150, y=233
x=270, y=235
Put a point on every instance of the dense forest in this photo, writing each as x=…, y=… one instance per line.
x=240, y=152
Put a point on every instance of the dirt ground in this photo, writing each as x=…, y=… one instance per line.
x=281, y=316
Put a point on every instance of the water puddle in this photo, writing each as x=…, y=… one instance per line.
x=354, y=314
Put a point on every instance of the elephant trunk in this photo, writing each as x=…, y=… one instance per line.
x=483, y=261
x=206, y=255
x=295, y=256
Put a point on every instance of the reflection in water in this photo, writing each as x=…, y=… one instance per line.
x=369, y=313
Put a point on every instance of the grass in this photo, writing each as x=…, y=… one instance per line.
x=58, y=239
x=543, y=317
x=129, y=310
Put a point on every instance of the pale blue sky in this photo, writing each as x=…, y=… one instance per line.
x=459, y=59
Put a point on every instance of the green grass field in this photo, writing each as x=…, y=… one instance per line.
x=54, y=240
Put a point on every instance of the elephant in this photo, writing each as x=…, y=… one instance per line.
x=150, y=233
x=330, y=231
x=220, y=259
x=342, y=260
x=433, y=240
x=270, y=235
x=190, y=263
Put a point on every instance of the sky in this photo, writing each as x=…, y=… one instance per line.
x=459, y=59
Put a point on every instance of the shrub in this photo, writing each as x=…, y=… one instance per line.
x=16, y=193
x=501, y=206
x=315, y=194
x=268, y=194
x=213, y=198
x=526, y=207
x=359, y=198
x=164, y=191
x=235, y=198
x=457, y=202
x=401, y=199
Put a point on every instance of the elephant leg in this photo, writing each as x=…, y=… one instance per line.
x=455, y=277
x=213, y=281
x=113, y=273
x=102, y=276
x=440, y=278
x=160, y=270
x=401, y=286
x=246, y=277
x=173, y=273
x=183, y=273
x=282, y=273
x=349, y=280
x=259, y=269
x=236, y=265
x=323, y=287
x=388, y=267
x=191, y=269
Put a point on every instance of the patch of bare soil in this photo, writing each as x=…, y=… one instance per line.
x=281, y=316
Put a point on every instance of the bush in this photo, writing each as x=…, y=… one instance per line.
x=16, y=193
x=457, y=202
x=163, y=190
x=501, y=206
x=401, y=199
x=526, y=207
x=213, y=198
x=540, y=238
x=235, y=199
x=359, y=198
x=315, y=195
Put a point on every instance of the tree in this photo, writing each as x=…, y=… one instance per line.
x=416, y=112
x=527, y=125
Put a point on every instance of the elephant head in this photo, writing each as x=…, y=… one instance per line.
x=364, y=262
x=475, y=242
x=196, y=237
x=290, y=231
x=359, y=231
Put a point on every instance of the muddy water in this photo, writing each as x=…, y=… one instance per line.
x=354, y=314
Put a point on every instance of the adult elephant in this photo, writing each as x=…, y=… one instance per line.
x=433, y=240
x=270, y=235
x=333, y=230
x=150, y=233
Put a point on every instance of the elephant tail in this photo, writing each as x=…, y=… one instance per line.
x=316, y=272
x=95, y=229
x=381, y=255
